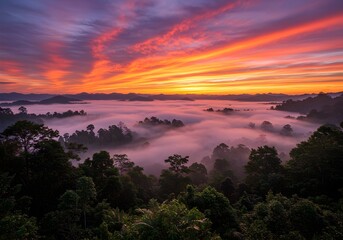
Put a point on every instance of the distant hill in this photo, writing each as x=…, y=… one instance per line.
x=59, y=100
x=265, y=97
x=269, y=97
x=20, y=96
x=51, y=100
x=322, y=108
x=306, y=105
x=141, y=98
x=8, y=117
x=187, y=99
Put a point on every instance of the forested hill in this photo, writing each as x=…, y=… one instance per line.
x=322, y=108
x=44, y=196
x=48, y=101
x=8, y=117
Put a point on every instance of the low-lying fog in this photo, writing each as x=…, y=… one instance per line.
x=203, y=131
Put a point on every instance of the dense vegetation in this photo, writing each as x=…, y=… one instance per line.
x=224, y=110
x=7, y=117
x=52, y=100
x=42, y=195
x=321, y=108
x=114, y=136
x=267, y=126
x=154, y=121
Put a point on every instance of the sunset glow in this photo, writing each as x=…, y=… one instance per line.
x=152, y=46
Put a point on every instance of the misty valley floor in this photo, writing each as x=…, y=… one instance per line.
x=202, y=132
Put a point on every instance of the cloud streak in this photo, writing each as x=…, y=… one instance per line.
x=150, y=46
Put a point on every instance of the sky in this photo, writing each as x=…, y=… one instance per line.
x=171, y=46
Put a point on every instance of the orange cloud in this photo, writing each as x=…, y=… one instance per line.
x=175, y=71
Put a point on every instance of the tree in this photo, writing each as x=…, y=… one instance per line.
x=174, y=180
x=64, y=223
x=222, y=151
x=172, y=183
x=105, y=176
x=19, y=227
x=198, y=173
x=26, y=135
x=316, y=165
x=144, y=184
x=264, y=170
x=177, y=163
x=86, y=190
x=216, y=208
x=13, y=223
x=6, y=111
x=221, y=170
x=267, y=126
x=170, y=220
x=101, y=161
x=306, y=219
x=51, y=174
x=287, y=130
x=227, y=187
x=127, y=195
x=280, y=217
x=22, y=110
x=90, y=128
x=122, y=162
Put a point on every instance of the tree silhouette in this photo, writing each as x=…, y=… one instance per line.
x=177, y=163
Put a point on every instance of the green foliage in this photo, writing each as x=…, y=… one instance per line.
x=221, y=170
x=28, y=134
x=316, y=165
x=115, y=135
x=227, y=187
x=107, y=198
x=170, y=220
x=177, y=163
x=144, y=184
x=174, y=180
x=289, y=218
x=69, y=200
x=85, y=189
x=64, y=223
x=127, y=197
x=18, y=226
x=264, y=170
x=105, y=176
x=51, y=173
x=172, y=183
x=122, y=162
x=305, y=217
x=216, y=208
x=198, y=173
x=156, y=122
x=7, y=192
x=13, y=224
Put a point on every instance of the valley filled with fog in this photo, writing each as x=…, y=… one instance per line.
x=203, y=130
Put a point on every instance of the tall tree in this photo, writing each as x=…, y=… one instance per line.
x=86, y=190
x=177, y=163
x=26, y=135
x=264, y=170
x=316, y=165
